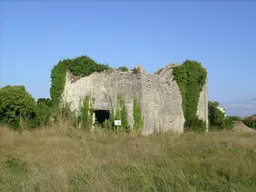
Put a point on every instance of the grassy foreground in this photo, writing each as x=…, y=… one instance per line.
x=61, y=158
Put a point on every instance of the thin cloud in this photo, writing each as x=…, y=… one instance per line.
x=240, y=105
x=241, y=109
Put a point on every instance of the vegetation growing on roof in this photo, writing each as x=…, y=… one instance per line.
x=123, y=69
x=79, y=66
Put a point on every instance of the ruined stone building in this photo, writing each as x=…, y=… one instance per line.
x=159, y=96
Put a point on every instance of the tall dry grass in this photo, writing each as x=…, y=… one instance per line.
x=62, y=158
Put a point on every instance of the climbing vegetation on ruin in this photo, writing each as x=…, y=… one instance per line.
x=58, y=79
x=191, y=77
x=86, y=113
x=108, y=124
x=112, y=111
x=80, y=66
x=123, y=69
x=122, y=114
x=137, y=116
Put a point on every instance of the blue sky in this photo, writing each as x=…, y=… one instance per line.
x=35, y=36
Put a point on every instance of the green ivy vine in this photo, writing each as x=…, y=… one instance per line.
x=79, y=66
x=138, y=119
x=86, y=113
x=122, y=114
x=58, y=79
x=191, y=77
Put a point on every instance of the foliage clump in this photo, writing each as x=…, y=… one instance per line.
x=250, y=123
x=216, y=116
x=122, y=114
x=123, y=69
x=86, y=113
x=84, y=66
x=190, y=77
x=58, y=79
x=137, y=117
x=16, y=105
x=15, y=165
x=218, y=120
x=46, y=101
x=43, y=114
x=79, y=66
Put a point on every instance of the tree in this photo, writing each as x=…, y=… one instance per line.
x=216, y=117
x=45, y=101
x=43, y=114
x=16, y=104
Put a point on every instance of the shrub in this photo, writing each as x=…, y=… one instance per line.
x=190, y=77
x=84, y=66
x=108, y=124
x=123, y=68
x=135, y=71
x=64, y=112
x=16, y=104
x=122, y=114
x=235, y=118
x=45, y=101
x=197, y=125
x=216, y=117
x=86, y=113
x=250, y=123
x=229, y=122
x=43, y=114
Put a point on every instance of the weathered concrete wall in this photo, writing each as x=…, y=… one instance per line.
x=103, y=87
x=158, y=94
x=161, y=103
x=202, y=108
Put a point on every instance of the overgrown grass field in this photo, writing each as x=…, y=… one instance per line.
x=62, y=158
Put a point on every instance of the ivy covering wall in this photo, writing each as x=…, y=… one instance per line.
x=191, y=77
x=86, y=113
x=137, y=116
x=122, y=114
x=79, y=66
x=58, y=79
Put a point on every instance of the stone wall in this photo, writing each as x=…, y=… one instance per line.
x=202, y=108
x=159, y=96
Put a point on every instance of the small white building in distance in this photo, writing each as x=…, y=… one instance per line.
x=222, y=110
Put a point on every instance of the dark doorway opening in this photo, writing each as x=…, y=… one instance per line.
x=101, y=115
